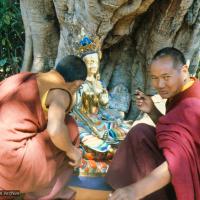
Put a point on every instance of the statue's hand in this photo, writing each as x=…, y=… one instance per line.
x=104, y=98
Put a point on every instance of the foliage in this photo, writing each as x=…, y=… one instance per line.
x=11, y=37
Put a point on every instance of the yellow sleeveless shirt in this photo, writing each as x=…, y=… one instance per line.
x=48, y=81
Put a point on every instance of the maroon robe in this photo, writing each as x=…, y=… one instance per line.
x=175, y=139
x=29, y=161
x=178, y=135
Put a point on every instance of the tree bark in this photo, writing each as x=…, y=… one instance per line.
x=42, y=35
x=130, y=32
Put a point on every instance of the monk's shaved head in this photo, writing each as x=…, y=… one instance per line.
x=176, y=55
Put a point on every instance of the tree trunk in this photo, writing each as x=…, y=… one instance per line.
x=42, y=35
x=130, y=32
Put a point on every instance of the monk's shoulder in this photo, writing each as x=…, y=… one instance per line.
x=59, y=95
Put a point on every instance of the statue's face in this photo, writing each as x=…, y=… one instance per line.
x=92, y=62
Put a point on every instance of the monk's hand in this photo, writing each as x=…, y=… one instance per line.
x=75, y=156
x=125, y=193
x=143, y=102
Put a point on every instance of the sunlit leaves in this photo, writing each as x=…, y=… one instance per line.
x=11, y=37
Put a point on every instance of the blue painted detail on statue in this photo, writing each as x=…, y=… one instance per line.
x=85, y=41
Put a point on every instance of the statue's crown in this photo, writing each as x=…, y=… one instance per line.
x=87, y=45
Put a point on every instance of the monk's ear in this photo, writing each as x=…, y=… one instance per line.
x=185, y=68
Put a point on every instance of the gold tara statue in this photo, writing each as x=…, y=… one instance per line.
x=92, y=104
x=93, y=94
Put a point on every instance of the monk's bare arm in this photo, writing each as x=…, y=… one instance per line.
x=156, y=180
x=155, y=114
x=58, y=132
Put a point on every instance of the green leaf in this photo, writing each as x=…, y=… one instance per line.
x=3, y=62
x=3, y=42
x=15, y=59
x=8, y=69
x=7, y=19
x=1, y=69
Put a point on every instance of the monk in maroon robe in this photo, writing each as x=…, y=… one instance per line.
x=162, y=163
x=38, y=142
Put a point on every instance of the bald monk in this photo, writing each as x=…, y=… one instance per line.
x=38, y=140
x=162, y=163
